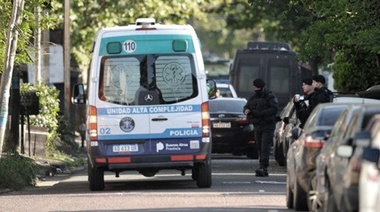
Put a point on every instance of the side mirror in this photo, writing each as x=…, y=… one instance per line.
x=278, y=118
x=211, y=88
x=78, y=96
x=345, y=151
x=296, y=132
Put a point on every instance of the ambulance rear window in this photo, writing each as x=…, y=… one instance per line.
x=174, y=77
x=126, y=80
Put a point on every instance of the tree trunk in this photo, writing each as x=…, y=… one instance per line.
x=6, y=77
x=314, y=65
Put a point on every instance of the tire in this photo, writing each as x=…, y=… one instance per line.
x=96, y=178
x=289, y=194
x=203, y=175
x=194, y=173
x=88, y=170
x=299, y=198
x=279, y=156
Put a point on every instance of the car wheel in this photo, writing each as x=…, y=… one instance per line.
x=279, y=156
x=88, y=170
x=204, y=175
x=299, y=198
x=96, y=178
x=289, y=194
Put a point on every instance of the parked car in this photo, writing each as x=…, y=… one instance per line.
x=293, y=122
x=279, y=151
x=369, y=183
x=230, y=129
x=338, y=134
x=226, y=90
x=339, y=174
x=282, y=136
x=302, y=153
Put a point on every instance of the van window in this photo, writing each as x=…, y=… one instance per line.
x=279, y=73
x=174, y=78
x=119, y=79
x=170, y=77
x=248, y=71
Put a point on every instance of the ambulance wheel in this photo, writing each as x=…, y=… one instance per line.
x=203, y=175
x=96, y=178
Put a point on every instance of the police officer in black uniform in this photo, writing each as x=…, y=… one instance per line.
x=322, y=93
x=305, y=106
x=261, y=110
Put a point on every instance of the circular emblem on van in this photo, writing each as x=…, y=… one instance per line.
x=127, y=124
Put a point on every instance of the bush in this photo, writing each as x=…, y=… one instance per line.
x=17, y=172
x=49, y=112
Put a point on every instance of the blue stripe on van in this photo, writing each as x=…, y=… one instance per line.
x=148, y=44
x=168, y=133
x=149, y=109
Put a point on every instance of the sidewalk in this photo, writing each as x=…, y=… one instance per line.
x=53, y=171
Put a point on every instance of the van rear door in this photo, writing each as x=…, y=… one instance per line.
x=150, y=104
x=176, y=123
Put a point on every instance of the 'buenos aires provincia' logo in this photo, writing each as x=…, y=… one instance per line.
x=127, y=124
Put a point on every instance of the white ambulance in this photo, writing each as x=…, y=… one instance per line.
x=147, y=103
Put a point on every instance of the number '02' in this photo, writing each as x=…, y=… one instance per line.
x=105, y=131
x=130, y=46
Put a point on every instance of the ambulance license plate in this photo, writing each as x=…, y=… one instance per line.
x=125, y=148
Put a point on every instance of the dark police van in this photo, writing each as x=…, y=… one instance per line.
x=275, y=63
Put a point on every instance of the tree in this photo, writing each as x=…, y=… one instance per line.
x=320, y=31
x=346, y=32
x=6, y=77
x=17, y=20
x=88, y=16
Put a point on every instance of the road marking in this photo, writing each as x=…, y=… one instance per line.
x=269, y=182
x=237, y=182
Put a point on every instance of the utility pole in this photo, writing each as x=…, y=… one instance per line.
x=67, y=59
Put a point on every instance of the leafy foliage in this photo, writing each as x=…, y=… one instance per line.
x=88, y=16
x=317, y=30
x=49, y=111
x=17, y=172
x=343, y=32
x=25, y=28
x=355, y=71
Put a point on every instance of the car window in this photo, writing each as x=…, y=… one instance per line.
x=328, y=116
x=225, y=92
x=226, y=106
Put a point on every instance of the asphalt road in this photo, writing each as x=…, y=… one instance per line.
x=235, y=188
